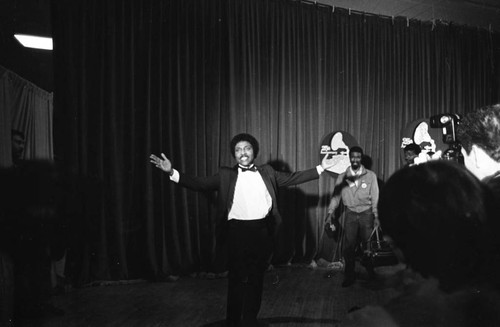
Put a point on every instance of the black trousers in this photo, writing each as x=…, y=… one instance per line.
x=249, y=251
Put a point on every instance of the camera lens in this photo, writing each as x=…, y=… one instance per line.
x=445, y=119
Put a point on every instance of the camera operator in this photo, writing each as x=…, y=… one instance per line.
x=479, y=135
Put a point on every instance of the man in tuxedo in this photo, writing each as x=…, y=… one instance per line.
x=248, y=214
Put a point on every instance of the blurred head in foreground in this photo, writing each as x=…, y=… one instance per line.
x=435, y=214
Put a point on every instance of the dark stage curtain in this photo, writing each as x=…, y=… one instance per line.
x=27, y=108
x=182, y=77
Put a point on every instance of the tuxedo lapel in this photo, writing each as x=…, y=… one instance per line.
x=232, y=185
x=267, y=181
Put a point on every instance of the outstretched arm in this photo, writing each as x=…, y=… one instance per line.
x=189, y=181
x=162, y=163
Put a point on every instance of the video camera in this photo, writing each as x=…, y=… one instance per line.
x=449, y=123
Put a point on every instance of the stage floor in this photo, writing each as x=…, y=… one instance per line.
x=295, y=295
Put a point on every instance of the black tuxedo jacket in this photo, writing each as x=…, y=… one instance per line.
x=224, y=183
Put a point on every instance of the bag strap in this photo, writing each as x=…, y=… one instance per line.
x=375, y=232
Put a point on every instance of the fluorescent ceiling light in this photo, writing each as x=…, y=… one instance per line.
x=36, y=42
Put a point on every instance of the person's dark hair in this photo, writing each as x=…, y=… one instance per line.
x=435, y=213
x=415, y=148
x=244, y=137
x=356, y=149
x=15, y=132
x=481, y=127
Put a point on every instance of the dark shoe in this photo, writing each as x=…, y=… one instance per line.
x=354, y=308
x=348, y=282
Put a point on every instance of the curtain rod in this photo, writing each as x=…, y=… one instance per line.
x=433, y=22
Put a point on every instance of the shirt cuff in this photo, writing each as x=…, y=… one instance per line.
x=175, y=176
x=320, y=169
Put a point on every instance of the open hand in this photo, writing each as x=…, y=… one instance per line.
x=328, y=163
x=164, y=164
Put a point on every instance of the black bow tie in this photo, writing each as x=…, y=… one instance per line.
x=253, y=168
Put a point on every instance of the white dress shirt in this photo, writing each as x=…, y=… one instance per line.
x=251, y=198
